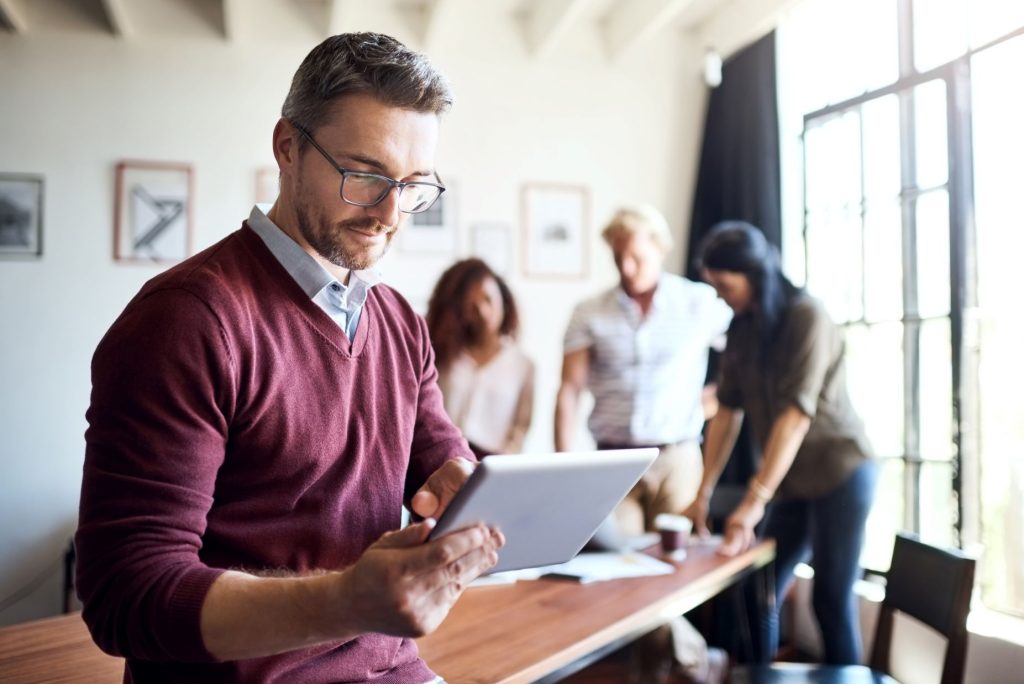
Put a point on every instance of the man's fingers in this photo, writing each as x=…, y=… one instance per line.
x=440, y=552
x=447, y=582
x=433, y=498
x=410, y=535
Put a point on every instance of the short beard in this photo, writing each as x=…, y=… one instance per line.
x=328, y=244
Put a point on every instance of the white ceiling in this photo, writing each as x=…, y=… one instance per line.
x=623, y=23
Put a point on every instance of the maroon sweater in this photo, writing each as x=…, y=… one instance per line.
x=232, y=425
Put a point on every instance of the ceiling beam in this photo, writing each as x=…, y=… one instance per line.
x=546, y=21
x=117, y=17
x=632, y=23
x=11, y=15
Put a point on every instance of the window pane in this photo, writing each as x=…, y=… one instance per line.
x=932, y=166
x=998, y=147
x=833, y=163
x=834, y=263
x=881, y=149
x=883, y=263
x=933, y=273
x=821, y=50
x=886, y=517
x=874, y=370
x=991, y=19
x=936, y=398
x=940, y=32
x=937, y=505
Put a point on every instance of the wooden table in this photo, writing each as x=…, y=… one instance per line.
x=55, y=650
x=545, y=629
x=521, y=632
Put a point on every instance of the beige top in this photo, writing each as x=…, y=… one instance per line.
x=804, y=367
x=492, y=404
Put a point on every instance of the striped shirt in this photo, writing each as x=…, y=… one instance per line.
x=646, y=374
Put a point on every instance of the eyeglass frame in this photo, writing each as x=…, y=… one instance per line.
x=392, y=183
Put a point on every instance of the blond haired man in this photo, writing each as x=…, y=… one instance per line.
x=641, y=349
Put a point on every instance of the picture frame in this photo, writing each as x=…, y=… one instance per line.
x=556, y=220
x=434, y=230
x=153, y=211
x=492, y=242
x=21, y=215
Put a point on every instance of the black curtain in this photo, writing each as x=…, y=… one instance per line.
x=738, y=179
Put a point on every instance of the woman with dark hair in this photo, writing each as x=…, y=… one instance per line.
x=486, y=379
x=783, y=368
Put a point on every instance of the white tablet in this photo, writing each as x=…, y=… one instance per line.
x=546, y=505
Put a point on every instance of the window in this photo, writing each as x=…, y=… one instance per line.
x=900, y=148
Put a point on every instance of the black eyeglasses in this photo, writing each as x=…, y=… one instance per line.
x=364, y=189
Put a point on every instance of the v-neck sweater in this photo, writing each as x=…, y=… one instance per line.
x=233, y=425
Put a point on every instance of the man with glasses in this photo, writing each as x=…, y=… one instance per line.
x=261, y=411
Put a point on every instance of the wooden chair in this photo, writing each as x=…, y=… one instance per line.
x=929, y=584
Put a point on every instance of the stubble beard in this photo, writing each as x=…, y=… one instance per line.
x=329, y=240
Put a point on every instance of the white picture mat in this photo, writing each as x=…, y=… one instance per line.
x=546, y=505
x=155, y=213
x=555, y=219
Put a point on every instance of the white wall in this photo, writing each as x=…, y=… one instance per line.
x=72, y=104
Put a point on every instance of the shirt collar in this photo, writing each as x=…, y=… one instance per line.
x=303, y=268
x=657, y=302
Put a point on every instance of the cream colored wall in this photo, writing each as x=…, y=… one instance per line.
x=72, y=104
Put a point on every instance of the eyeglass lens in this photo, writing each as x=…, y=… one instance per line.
x=369, y=189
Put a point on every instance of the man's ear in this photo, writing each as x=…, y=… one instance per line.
x=286, y=145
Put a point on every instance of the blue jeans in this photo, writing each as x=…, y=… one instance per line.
x=830, y=530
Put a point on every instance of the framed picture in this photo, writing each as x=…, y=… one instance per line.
x=21, y=215
x=153, y=211
x=435, y=229
x=555, y=230
x=268, y=184
x=492, y=242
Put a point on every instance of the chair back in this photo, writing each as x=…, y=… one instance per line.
x=931, y=585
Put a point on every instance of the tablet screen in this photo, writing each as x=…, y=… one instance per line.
x=546, y=505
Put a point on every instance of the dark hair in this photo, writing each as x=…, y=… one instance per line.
x=449, y=330
x=370, y=63
x=740, y=247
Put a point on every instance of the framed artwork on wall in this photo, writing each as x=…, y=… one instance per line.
x=492, y=242
x=21, y=215
x=153, y=211
x=434, y=230
x=555, y=230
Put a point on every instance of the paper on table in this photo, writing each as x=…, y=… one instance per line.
x=596, y=567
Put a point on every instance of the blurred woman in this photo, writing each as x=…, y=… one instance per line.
x=486, y=379
x=783, y=368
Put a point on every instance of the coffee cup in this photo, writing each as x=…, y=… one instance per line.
x=674, y=531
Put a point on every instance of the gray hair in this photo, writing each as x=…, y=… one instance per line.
x=642, y=218
x=369, y=63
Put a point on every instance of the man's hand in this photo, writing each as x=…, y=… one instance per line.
x=404, y=587
x=433, y=497
x=739, y=527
